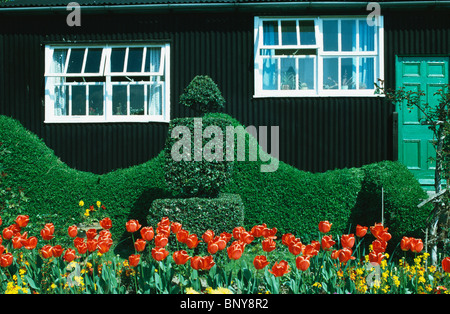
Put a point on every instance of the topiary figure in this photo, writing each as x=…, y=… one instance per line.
x=203, y=95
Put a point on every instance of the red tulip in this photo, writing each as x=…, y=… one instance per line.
x=17, y=241
x=208, y=236
x=257, y=231
x=287, y=238
x=192, y=241
x=134, y=259
x=161, y=240
x=6, y=259
x=376, y=257
x=181, y=257
x=220, y=241
x=446, y=264
x=310, y=250
x=159, y=253
x=50, y=226
x=104, y=244
x=47, y=232
x=235, y=250
x=147, y=233
x=69, y=255
x=77, y=241
x=280, y=269
x=380, y=232
x=348, y=240
x=163, y=230
x=268, y=245
x=91, y=233
x=139, y=245
x=237, y=231
x=269, y=233
x=296, y=247
x=2, y=249
x=82, y=247
x=379, y=246
x=182, y=235
x=104, y=234
x=260, y=261
x=327, y=242
x=72, y=231
x=207, y=262
x=91, y=244
x=213, y=247
x=22, y=220
x=197, y=262
x=405, y=243
x=324, y=226
x=226, y=236
x=106, y=223
x=133, y=225
x=57, y=250
x=302, y=262
x=175, y=227
x=345, y=254
x=7, y=233
x=30, y=243
x=46, y=251
x=164, y=222
x=416, y=245
x=361, y=231
x=246, y=237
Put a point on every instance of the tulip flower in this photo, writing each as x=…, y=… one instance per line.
x=57, y=250
x=213, y=247
x=82, y=247
x=348, y=240
x=269, y=233
x=296, y=247
x=192, y=241
x=268, y=245
x=134, y=259
x=139, y=245
x=327, y=242
x=197, y=262
x=207, y=262
x=446, y=264
x=69, y=255
x=380, y=232
x=46, y=251
x=182, y=235
x=163, y=230
x=280, y=268
x=22, y=220
x=237, y=231
x=106, y=223
x=405, y=244
x=164, y=222
x=91, y=244
x=260, y=261
x=287, y=238
x=17, y=242
x=181, y=257
x=91, y=233
x=302, y=262
x=159, y=253
x=257, y=231
x=6, y=259
x=104, y=244
x=72, y=231
x=104, y=234
x=161, y=240
x=47, y=232
x=30, y=243
x=7, y=233
x=345, y=254
x=416, y=245
x=226, y=236
x=324, y=226
x=235, y=250
x=208, y=236
x=2, y=249
x=361, y=231
x=133, y=225
x=175, y=227
x=376, y=257
x=310, y=250
x=147, y=233
x=379, y=246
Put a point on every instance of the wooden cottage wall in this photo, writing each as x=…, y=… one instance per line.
x=316, y=134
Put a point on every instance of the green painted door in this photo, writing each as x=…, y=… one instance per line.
x=428, y=74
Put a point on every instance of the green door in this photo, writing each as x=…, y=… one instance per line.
x=428, y=74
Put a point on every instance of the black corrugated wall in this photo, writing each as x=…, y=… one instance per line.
x=316, y=134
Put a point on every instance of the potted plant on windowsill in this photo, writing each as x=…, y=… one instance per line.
x=347, y=82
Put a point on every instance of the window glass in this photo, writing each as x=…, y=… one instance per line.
x=270, y=32
x=330, y=73
x=152, y=60
x=366, y=73
x=117, y=59
x=61, y=100
x=348, y=73
x=75, y=60
x=306, y=73
x=119, y=100
x=78, y=100
x=93, y=60
x=330, y=35
x=288, y=73
x=288, y=33
x=366, y=36
x=96, y=97
x=135, y=56
x=270, y=74
x=307, y=33
x=155, y=99
x=137, y=99
x=348, y=35
x=59, y=61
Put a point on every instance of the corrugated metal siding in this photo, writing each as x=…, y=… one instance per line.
x=316, y=134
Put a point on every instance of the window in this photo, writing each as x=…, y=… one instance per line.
x=317, y=56
x=107, y=83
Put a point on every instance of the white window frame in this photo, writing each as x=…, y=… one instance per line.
x=377, y=54
x=105, y=72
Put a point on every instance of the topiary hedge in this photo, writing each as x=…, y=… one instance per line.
x=289, y=199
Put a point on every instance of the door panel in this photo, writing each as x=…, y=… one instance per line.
x=428, y=74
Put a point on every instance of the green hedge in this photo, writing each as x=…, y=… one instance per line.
x=289, y=199
x=200, y=214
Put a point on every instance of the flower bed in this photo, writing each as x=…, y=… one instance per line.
x=166, y=258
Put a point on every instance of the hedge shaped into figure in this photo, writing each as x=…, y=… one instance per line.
x=203, y=95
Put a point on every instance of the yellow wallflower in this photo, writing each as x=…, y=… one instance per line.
x=99, y=204
x=81, y=203
x=191, y=291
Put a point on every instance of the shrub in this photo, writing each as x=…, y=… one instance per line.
x=203, y=95
x=200, y=214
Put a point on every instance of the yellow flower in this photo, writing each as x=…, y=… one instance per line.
x=99, y=204
x=81, y=203
x=87, y=213
x=53, y=286
x=191, y=291
x=317, y=284
x=219, y=290
x=396, y=281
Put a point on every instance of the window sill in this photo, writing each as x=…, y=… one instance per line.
x=83, y=121
x=310, y=95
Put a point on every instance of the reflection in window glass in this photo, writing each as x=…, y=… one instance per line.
x=330, y=73
x=152, y=60
x=366, y=73
x=93, y=60
x=307, y=33
x=96, y=100
x=288, y=33
x=348, y=35
x=78, y=100
x=75, y=61
x=366, y=36
x=59, y=61
x=117, y=59
x=348, y=73
x=270, y=32
x=330, y=35
x=137, y=99
x=119, y=100
x=154, y=99
x=306, y=73
x=134, y=63
x=61, y=100
x=288, y=74
x=270, y=74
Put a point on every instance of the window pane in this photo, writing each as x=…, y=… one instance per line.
x=59, y=61
x=137, y=99
x=270, y=74
x=366, y=36
x=270, y=32
x=96, y=100
x=152, y=60
x=306, y=73
x=330, y=36
x=366, y=73
x=119, y=100
x=288, y=33
x=307, y=33
x=61, y=100
x=75, y=61
x=78, y=100
x=348, y=35
x=117, y=59
x=288, y=73
x=348, y=73
x=135, y=59
x=93, y=60
x=330, y=73
x=154, y=99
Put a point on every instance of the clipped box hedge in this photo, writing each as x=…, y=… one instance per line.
x=197, y=214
